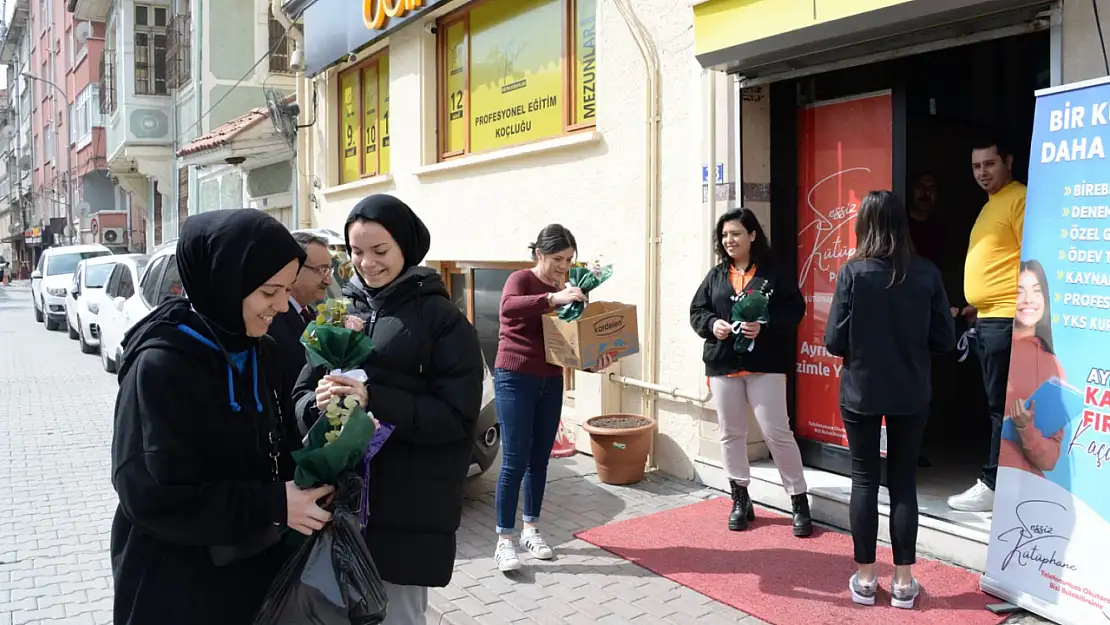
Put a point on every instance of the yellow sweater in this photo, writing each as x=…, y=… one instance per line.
x=994, y=254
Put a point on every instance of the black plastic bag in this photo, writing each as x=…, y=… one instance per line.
x=330, y=579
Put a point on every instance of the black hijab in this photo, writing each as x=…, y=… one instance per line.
x=397, y=218
x=223, y=256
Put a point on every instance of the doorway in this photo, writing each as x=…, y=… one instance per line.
x=941, y=103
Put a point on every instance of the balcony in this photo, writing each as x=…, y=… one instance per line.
x=91, y=10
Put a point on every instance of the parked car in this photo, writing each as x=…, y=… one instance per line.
x=161, y=280
x=52, y=277
x=85, y=299
x=110, y=320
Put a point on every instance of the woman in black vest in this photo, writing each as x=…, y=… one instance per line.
x=754, y=380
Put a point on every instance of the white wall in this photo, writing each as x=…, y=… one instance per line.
x=490, y=212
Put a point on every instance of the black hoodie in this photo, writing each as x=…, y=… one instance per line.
x=194, y=536
x=425, y=378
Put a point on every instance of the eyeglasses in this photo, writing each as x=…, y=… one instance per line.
x=323, y=270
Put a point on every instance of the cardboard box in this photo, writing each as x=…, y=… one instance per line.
x=603, y=327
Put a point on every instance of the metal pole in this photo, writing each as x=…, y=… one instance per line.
x=69, y=143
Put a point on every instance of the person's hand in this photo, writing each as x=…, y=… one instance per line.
x=969, y=313
x=955, y=311
x=301, y=510
x=352, y=322
x=603, y=362
x=342, y=385
x=721, y=329
x=750, y=329
x=1022, y=417
x=566, y=296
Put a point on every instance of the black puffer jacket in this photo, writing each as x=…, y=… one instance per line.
x=774, y=350
x=425, y=378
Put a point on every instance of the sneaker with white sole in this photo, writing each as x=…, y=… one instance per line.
x=904, y=596
x=863, y=593
x=532, y=541
x=505, y=556
x=978, y=498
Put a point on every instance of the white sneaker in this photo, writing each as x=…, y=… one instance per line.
x=978, y=498
x=533, y=542
x=904, y=596
x=505, y=556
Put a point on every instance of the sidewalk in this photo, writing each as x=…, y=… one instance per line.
x=584, y=585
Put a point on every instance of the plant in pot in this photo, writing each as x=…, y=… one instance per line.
x=620, y=445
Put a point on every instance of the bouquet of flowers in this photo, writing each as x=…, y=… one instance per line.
x=586, y=276
x=750, y=306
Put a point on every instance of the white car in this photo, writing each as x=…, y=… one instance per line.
x=112, y=320
x=51, y=279
x=86, y=296
x=157, y=281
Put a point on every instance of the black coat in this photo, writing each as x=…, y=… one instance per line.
x=774, y=349
x=286, y=330
x=887, y=334
x=194, y=477
x=425, y=378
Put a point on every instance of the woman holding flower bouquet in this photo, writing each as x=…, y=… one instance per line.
x=424, y=385
x=747, y=358
x=529, y=391
x=201, y=451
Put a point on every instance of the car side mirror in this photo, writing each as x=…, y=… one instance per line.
x=118, y=303
x=75, y=292
x=36, y=275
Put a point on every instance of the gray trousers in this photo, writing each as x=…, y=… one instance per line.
x=764, y=395
x=407, y=604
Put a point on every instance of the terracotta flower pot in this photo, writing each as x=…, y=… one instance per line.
x=620, y=445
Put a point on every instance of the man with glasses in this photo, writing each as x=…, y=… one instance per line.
x=308, y=290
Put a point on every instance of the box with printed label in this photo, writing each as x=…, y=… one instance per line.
x=603, y=327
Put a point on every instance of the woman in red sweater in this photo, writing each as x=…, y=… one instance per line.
x=529, y=391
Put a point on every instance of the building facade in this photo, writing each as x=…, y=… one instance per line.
x=172, y=72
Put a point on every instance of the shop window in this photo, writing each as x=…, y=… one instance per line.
x=513, y=72
x=476, y=289
x=364, y=119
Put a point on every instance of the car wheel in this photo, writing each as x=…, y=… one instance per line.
x=69, y=328
x=85, y=347
x=106, y=362
x=50, y=324
x=38, y=312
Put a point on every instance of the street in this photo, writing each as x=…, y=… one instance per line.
x=57, y=501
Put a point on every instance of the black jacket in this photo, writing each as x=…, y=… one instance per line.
x=425, y=378
x=886, y=335
x=286, y=330
x=774, y=348
x=194, y=477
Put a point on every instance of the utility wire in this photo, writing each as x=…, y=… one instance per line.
x=250, y=71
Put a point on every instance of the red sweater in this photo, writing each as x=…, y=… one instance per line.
x=523, y=304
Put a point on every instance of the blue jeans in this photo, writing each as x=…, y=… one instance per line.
x=528, y=409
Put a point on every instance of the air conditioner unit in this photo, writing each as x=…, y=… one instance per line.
x=82, y=31
x=111, y=236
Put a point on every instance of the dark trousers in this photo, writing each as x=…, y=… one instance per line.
x=993, y=346
x=528, y=409
x=903, y=442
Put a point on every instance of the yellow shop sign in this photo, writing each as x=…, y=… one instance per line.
x=377, y=13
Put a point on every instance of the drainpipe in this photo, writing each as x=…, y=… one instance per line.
x=301, y=218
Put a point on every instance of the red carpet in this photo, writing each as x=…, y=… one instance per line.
x=783, y=580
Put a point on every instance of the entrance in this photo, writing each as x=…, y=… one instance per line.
x=927, y=111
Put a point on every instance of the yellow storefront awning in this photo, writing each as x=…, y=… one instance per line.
x=766, y=36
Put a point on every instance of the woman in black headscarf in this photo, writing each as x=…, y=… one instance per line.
x=200, y=452
x=424, y=384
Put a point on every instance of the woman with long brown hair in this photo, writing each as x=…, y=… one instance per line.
x=888, y=315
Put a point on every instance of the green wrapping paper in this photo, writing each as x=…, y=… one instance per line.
x=586, y=277
x=752, y=305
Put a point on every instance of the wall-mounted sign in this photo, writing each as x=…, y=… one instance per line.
x=335, y=28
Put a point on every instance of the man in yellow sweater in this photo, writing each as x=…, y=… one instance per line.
x=990, y=287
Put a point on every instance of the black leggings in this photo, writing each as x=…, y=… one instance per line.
x=904, y=434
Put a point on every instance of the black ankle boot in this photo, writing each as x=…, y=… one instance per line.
x=742, y=510
x=803, y=522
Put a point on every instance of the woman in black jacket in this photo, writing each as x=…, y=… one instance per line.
x=200, y=451
x=425, y=382
x=888, y=315
x=756, y=379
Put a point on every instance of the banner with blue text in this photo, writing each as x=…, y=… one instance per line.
x=1050, y=536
